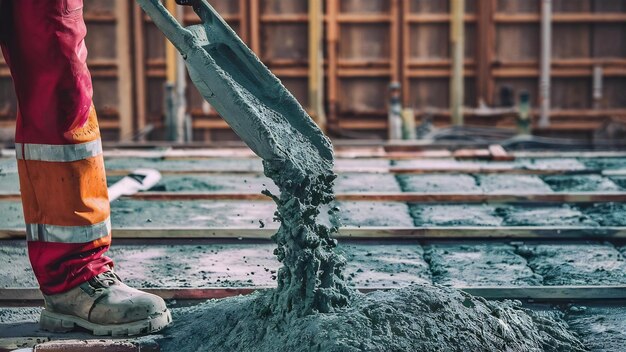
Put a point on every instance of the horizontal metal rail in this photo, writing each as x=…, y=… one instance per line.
x=537, y=293
x=383, y=233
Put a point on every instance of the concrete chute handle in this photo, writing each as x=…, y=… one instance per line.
x=177, y=34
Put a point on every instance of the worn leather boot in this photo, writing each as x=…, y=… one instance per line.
x=105, y=306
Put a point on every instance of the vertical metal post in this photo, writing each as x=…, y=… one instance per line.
x=523, y=114
x=316, y=63
x=183, y=120
x=395, y=112
x=175, y=85
x=597, y=86
x=457, y=42
x=546, y=59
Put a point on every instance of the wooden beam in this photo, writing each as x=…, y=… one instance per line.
x=316, y=63
x=406, y=197
x=332, y=43
x=547, y=233
x=485, y=37
x=457, y=50
x=255, y=30
x=436, y=17
x=562, y=18
x=124, y=63
x=139, y=65
x=537, y=293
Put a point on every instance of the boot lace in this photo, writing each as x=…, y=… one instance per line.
x=104, y=280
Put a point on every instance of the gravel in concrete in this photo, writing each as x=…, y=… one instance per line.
x=600, y=328
x=478, y=264
x=438, y=183
x=580, y=183
x=375, y=264
x=455, y=215
x=576, y=263
x=512, y=184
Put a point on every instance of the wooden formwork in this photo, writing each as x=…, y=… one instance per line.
x=151, y=71
x=110, y=63
x=278, y=35
x=367, y=45
x=586, y=33
x=363, y=58
x=427, y=59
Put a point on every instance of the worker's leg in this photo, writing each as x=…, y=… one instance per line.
x=58, y=146
x=60, y=163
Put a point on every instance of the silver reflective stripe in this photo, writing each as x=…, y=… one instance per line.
x=68, y=234
x=58, y=153
x=18, y=151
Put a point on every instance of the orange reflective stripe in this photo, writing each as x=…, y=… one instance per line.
x=64, y=193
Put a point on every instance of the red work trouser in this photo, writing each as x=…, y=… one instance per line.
x=58, y=147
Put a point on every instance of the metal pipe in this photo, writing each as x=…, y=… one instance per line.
x=597, y=86
x=395, y=112
x=546, y=58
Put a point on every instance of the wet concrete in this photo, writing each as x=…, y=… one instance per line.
x=438, y=183
x=384, y=264
x=17, y=315
x=8, y=165
x=606, y=214
x=9, y=183
x=551, y=164
x=478, y=264
x=215, y=183
x=576, y=263
x=604, y=163
x=11, y=215
x=16, y=270
x=370, y=264
x=210, y=165
x=454, y=215
x=512, y=184
x=366, y=182
x=391, y=214
x=434, y=164
x=362, y=165
x=581, y=183
x=620, y=181
x=600, y=328
x=552, y=215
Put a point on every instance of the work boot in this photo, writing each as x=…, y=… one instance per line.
x=105, y=306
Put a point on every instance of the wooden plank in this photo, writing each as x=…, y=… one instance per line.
x=547, y=233
x=139, y=64
x=457, y=52
x=551, y=198
x=124, y=64
x=332, y=47
x=486, y=39
x=561, y=18
x=394, y=170
x=537, y=293
x=316, y=63
x=500, y=154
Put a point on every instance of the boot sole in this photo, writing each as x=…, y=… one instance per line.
x=55, y=322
